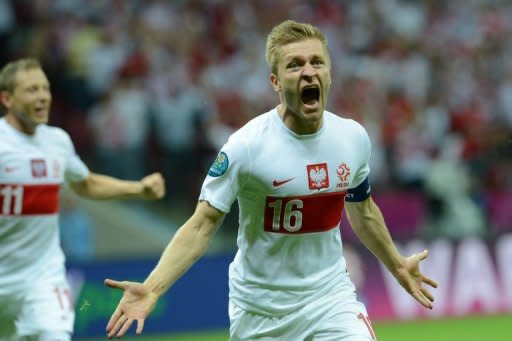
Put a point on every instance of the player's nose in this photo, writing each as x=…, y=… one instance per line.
x=308, y=70
x=44, y=96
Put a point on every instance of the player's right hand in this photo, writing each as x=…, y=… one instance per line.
x=135, y=305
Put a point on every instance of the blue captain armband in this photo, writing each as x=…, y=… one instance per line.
x=360, y=193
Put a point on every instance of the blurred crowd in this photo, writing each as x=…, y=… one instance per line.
x=159, y=85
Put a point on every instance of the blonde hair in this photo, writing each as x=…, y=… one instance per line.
x=287, y=32
x=9, y=71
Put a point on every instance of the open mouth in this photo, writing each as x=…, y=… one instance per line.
x=310, y=95
x=40, y=112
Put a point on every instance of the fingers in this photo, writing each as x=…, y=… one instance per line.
x=125, y=313
x=154, y=178
x=125, y=327
x=155, y=184
x=114, y=284
x=158, y=190
x=429, y=281
x=113, y=319
x=425, y=279
x=118, y=327
x=427, y=294
x=422, y=295
x=115, y=327
x=423, y=255
x=413, y=280
x=140, y=326
x=133, y=288
x=422, y=299
x=121, y=325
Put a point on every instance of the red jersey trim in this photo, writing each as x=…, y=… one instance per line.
x=19, y=200
x=303, y=214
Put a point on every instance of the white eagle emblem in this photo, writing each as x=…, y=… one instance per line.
x=318, y=177
x=38, y=168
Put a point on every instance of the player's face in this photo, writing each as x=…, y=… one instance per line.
x=29, y=103
x=303, y=80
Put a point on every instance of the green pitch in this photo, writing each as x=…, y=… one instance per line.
x=495, y=328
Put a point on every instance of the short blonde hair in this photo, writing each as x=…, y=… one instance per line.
x=287, y=32
x=9, y=71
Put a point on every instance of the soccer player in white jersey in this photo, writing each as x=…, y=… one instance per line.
x=292, y=170
x=35, y=160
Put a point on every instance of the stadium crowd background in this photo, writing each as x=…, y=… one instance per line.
x=159, y=85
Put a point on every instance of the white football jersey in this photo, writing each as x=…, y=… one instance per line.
x=32, y=169
x=291, y=192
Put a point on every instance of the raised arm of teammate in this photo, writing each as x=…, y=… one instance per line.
x=98, y=186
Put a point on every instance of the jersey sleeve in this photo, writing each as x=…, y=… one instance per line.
x=365, y=150
x=225, y=177
x=75, y=168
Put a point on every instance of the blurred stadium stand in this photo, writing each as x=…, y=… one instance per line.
x=159, y=85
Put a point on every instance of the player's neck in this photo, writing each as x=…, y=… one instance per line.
x=14, y=122
x=297, y=124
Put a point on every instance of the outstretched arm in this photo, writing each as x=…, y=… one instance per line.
x=100, y=187
x=368, y=223
x=185, y=248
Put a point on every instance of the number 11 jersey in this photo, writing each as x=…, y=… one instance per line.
x=32, y=169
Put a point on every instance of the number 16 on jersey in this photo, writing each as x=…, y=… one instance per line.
x=303, y=214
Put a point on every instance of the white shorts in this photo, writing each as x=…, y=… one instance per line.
x=44, y=307
x=330, y=318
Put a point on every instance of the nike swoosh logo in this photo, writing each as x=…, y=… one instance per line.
x=276, y=183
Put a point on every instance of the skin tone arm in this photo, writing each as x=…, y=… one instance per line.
x=368, y=223
x=101, y=187
x=185, y=248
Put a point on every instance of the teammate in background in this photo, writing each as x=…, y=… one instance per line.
x=35, y=160
x=292, y=170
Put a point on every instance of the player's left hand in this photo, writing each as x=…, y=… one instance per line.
x=410, y=277
x=153, y=186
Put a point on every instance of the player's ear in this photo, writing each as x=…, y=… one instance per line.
x=275, y=82
x=5, y=99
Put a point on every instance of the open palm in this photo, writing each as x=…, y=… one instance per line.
x=411, y=278
x=135, y=305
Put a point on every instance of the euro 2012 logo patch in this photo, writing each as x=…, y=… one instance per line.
x=219, y=166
